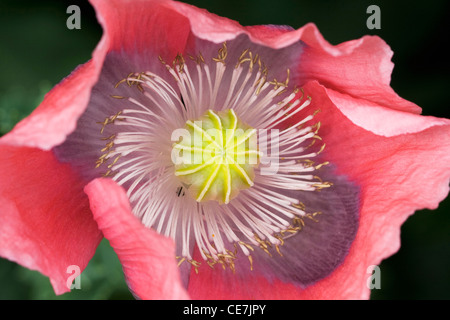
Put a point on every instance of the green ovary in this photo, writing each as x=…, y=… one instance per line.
x=215, y=156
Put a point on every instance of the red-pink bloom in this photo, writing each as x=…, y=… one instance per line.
x=384, y=159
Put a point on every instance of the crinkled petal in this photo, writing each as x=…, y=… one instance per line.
x=147, y=258
x=211, y=27
x=303, y=259
x=399, y=171
x=155, y=27
x=215, y=285
x=361, y=68
x=382, y=121
x=323, y=242
x=57, y=115
x=50, y=123
x=45, y=221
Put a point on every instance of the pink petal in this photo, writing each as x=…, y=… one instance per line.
x=165, y=33
x=403, y=168
x=45, y=221
x=382, y=121
x=56, y=117
x=209, y=26
x=142, y=26
x=214, y=284
x=361, y=68
x=147, y=258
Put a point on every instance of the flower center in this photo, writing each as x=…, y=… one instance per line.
x=178, y=132
x=216, y=156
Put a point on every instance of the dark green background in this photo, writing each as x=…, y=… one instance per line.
x=37, y=51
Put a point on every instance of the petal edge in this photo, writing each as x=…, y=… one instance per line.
x=147, y=258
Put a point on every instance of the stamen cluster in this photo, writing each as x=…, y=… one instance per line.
x=224, y=206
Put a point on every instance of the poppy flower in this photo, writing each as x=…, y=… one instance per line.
x=220, y=161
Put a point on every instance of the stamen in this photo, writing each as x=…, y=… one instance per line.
x=219, y=196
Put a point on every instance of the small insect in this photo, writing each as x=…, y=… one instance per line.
x=180, y=192
x=182, y=101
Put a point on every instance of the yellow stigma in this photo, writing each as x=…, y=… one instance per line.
x=215, y=156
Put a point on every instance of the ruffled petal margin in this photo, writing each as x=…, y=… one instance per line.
x=56, y=117
x=147, y=258
x=401, y=166
x=399, y=174
x=360, y=68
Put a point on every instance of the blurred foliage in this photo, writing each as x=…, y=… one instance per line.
x=37, y=51
x=103, y=279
